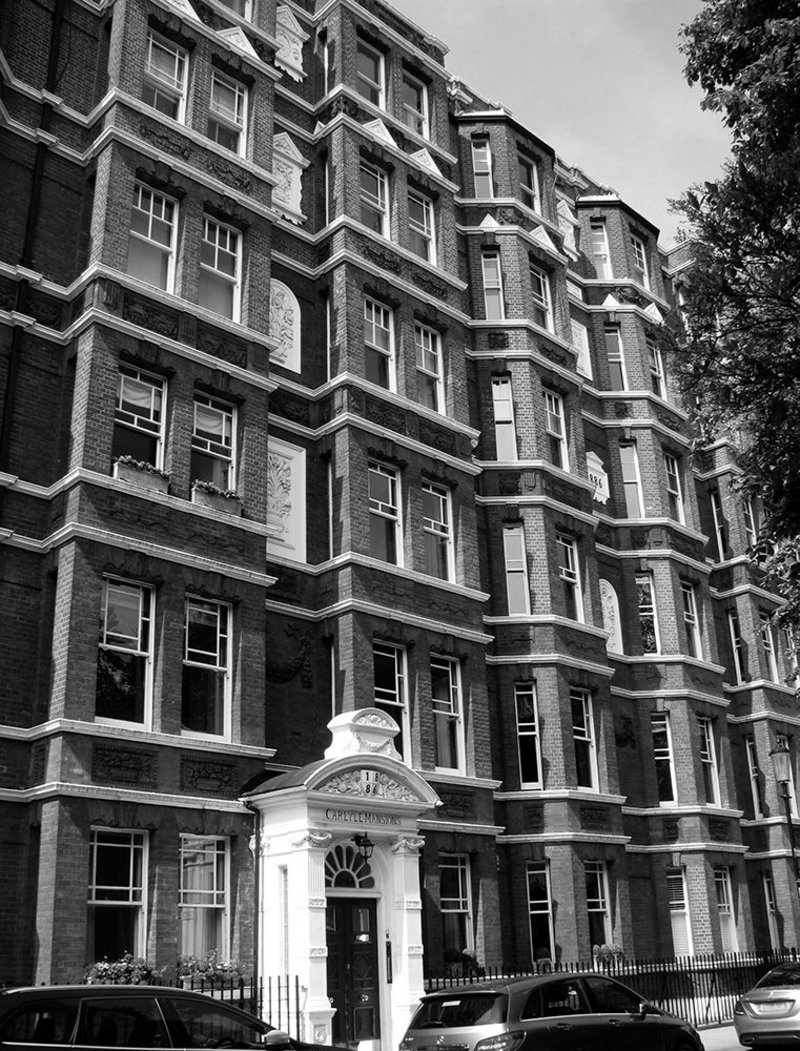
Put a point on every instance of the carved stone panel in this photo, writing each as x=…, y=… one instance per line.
x=131, y=766
x=208, y=776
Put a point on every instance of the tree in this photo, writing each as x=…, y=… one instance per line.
x=739, y=354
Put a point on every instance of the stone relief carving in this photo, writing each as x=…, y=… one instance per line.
x=296, y=650
x=129, y=765
x=624, y=736
x=365, y=783
x=279, y=494
x=314, y=839
x=408, y=844
x=284, y=325
x=611, y=622
x=288, y=165
x=207, y=775
x=291, y=37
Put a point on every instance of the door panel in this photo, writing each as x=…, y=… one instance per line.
x=353, y=970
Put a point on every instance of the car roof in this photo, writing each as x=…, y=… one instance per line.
x=110, y=990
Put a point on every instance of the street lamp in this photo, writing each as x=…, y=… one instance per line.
x=782, y=765
x=364, y=845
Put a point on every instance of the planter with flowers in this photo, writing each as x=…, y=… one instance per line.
x=141, y=473
x=127, y=970
x=206, y=494
x=606, y=956
x=208, y=974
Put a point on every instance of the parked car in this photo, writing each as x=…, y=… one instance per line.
x=129, y=1016
x=769, y=1014
x=554, y=1012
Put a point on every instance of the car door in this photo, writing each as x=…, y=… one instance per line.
x=565, y=1020
x=203, y=1022
x=120, y=1021
x=619, y=1018
x=40, y=1024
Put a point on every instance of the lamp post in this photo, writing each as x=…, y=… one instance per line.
x=782, y=765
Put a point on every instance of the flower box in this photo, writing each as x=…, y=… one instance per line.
x=228, y=503
x=143, y=475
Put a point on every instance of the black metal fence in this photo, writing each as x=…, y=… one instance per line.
x=275, y=999
x=701, y=989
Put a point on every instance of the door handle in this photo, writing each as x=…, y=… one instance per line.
x=565, y=1027
x=615, y=1022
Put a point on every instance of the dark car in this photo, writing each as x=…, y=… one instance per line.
x=554, y=1012
x=129, y=1016
x=769, y=1014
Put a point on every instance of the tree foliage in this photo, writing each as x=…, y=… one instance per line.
x=739, y=355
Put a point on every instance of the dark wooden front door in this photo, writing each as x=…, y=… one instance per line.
x=353, y=970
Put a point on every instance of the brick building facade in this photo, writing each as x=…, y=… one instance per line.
x=328, y=386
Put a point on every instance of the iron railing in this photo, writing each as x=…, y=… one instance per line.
x=275, y=999
x=702, y=989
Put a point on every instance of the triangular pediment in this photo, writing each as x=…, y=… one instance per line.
x=185, y=8
x=290, y=36
x=567, y=213
x=489, y=223
x=285, y=17
x=380, y=131
x=283, y=144
x=424, y=159
x=543, y=238
x=654, y=314
x=611, y=302
x=236, y=37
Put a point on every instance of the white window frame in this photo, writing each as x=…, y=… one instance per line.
x=386, y=510
x=569, y=572
x=737, y=647
x=136, y=888
x=691, y=619
x=580, y=341
x=528, y=732
x=679, y=914
x=148, y=423
x=542, y=298
x=767, y=636
x=376, y=203
x=674, y=488
x=211, y=896
x=750, y=522
x=601, y=257
x=219, y=662
x=373, y=87
x=461, y=903
x=708, y=759
x=615, y=356
x=598, y=904
x=441, y=528
x=226, y=243
x=448, y=713
x=725, y=909
x=583, y=734
x=140, y=645
x=482, y=169
x=394, y=701
x=379, y=338
x=417, y=119
x=646, y=610
x=556, y=429
x=718, y=516
x=773, y=916
x=428, y=353
x=243, y=8
x=538, y=906
x=493, y=295
x=782, y=741
x=663, y=754
x=658, y=379
x=641, y=270
x=754, y=777
x=223, y=449
x=424, y=231
x=161, y=214
x=516, y=570
x=505, y=429
x=171, y=88
x=631, y=480
x=529, y=186
x=232, y=120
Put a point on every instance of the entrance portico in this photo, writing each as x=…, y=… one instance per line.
x=349, y=928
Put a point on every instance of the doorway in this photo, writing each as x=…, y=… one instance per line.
x=353, y=980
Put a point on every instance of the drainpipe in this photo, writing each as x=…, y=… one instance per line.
x=256, y=893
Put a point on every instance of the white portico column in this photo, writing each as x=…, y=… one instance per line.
x=407, y=984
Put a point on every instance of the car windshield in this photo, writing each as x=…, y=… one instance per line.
x=461, y=1009
x=781, y=976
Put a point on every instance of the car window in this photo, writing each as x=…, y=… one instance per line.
x=608, y=997
x=50, y=1022
x=121, y=1021
x=780, y=976
x=466, y=1009
x=213, y=1025
x=563, y=996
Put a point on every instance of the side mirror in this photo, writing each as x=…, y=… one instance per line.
x=644, y=1009
x=277, y=1040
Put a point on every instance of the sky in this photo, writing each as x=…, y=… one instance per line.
x=601, y=81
